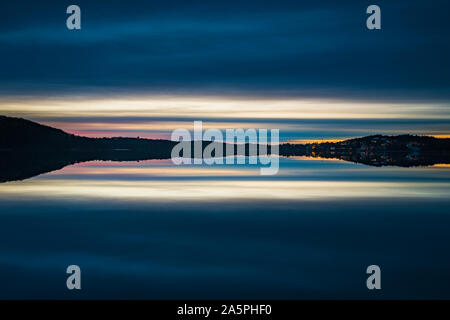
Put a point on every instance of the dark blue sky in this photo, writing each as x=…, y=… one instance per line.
x=274, y=48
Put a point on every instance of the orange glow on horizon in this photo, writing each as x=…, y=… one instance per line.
x=307, y=141
x=441, y=136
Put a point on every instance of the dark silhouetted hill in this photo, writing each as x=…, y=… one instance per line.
x=20, y=134
x=17, y=133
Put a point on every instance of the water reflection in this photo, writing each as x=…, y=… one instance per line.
x=160, y=180
x=150, y=229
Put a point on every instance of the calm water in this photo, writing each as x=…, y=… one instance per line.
x=153, y=230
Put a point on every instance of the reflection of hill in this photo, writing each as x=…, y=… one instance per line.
x=23, y=165
x=20, y=164
x=28, y=149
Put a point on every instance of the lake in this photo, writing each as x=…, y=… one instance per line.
x=154, y=230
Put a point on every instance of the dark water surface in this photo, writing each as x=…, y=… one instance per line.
x=154, y=230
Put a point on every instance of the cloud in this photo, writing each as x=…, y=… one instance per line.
x=228, y=47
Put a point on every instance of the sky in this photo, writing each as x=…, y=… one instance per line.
x=310, y=68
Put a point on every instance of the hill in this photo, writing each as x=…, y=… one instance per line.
x=21, y=134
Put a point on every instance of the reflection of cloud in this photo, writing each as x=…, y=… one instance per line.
x=150, y=171
x=205, y=191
